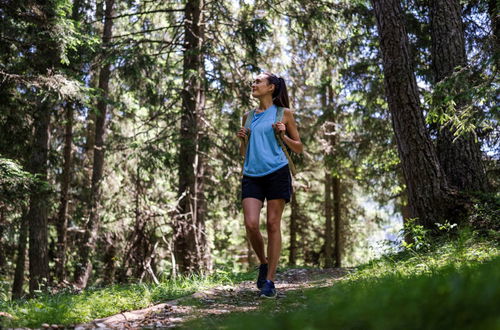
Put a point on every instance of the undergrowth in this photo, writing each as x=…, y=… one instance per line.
x=448, y=282
x=451, y=282
x=68, y=308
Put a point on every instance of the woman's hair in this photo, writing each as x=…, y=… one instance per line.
x=280, y=94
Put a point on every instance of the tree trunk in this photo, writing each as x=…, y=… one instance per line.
x=494, y=12
x=37, y=214
x=109, y=257
x=190, y=246
x=332, y=179
x=139, y=249
x=3, y=257
x=66, y=177
x=337, y=220
x=62, y=218
x=460, y=159
x=425, y=180
x=335, y=184
x=294, y=219
x=84, y=266
x=46, y=58
x=328, y=224
x=17, y=286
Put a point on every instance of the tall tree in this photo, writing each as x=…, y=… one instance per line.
x=17, y=286
x=294, y=230
x=190, y=244
x=333, y=226
x=494, y=12
x=329, y=131
x=37, y=214
x=329, y=221
x=460, y=157
x=335, y=178
x=425, y=180
x=62, y=217
x=46, y=58
x=84, y=266
x=66, y=175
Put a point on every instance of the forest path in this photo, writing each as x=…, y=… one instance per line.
x=213, y=303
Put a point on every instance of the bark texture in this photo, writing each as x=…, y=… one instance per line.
x=62, y=217
x=294, y=228
x=425, y=180
x=190, y=244
x=45, y=59
x=17, y=286
x=460, y=157
x=84, y=266
x=494, y=13
x=328, y=222
x=329, y=127
x=333, y=223
x=37, y=214
x=337, y=220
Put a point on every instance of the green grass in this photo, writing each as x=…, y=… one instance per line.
x=453, y=284
x=67, y=308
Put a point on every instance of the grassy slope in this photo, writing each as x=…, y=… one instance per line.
x=455, y=284
x=68, y=308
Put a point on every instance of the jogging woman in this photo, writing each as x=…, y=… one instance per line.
x=266, y=175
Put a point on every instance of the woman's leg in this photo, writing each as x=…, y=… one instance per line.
x=274, y=211
x=251, y=212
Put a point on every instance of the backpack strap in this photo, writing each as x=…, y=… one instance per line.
x=279, y=117
x=249, y=119
x=248, y=122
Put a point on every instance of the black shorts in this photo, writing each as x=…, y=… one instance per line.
x=275, y=185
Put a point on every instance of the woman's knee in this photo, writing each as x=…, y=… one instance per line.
x=252, y=225
x=274, y=225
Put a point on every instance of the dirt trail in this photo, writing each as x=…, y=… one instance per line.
x=216, y=301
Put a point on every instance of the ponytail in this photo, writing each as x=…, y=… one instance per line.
x=280, y=94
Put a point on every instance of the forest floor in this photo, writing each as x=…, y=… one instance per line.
x=217, y=302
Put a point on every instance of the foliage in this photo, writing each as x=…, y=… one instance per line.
x=15, y=182
x=485, y=217
x=461, y=100
x=319, y=47
x=417, y=233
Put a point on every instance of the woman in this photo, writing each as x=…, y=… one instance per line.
x=266, y=175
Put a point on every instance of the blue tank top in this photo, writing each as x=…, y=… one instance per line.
x=264, y=154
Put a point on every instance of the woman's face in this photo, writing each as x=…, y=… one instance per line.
x=261, y=86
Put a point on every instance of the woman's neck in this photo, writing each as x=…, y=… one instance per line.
x=265, y=103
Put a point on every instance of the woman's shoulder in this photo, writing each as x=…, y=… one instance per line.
x=285, y=110
x=287, y=113
x=245, y=116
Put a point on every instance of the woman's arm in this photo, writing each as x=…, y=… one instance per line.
x=291, y=138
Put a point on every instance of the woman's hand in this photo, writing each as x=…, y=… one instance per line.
x=242, y=133
x=280, y=128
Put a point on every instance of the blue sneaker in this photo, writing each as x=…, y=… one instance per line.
x=268, y=290
x=261, y=279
